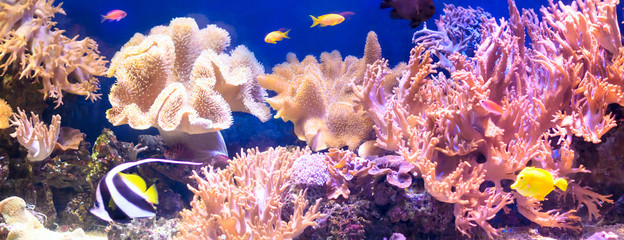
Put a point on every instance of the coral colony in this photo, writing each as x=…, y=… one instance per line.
x=426, y=149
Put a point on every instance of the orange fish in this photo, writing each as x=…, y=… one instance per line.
x=491, y=106
x=331, y=19
x=275, y=36
x=114, y=15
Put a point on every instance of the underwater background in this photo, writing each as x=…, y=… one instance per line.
x=247, y=22
x=460, y=176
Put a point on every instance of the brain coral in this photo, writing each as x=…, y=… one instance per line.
x=318, y=99
x=178, y=78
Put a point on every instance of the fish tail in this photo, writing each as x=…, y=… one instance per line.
x=561, y=184
x=315, y=20
x=103, y=18
x=285, y=34
x=152, y=194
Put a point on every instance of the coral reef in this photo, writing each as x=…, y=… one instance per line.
x=317, y=97
x=29, y=42
x=157, y=228
x=24, y=226
x=439, y=123
x=243, y=201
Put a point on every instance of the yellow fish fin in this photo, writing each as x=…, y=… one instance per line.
x=152, y=194
x=540, y=197
x=545, y=172
x=561, y=184
x=315, y=20
x=285, y=34
x=112, y=204
x=135, y=180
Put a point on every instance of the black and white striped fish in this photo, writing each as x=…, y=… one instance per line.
x=120, y=197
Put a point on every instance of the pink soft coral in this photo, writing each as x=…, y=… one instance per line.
x=558, y=87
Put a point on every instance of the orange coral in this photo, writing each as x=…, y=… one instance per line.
x=318, y=99
x=244, y=200
x=5, y=114
x=44, y=54
x=69, y=139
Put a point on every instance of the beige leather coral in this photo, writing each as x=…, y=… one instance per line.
x=30, y=44
x=34, y=135
x=318, y=99
x=178, y=78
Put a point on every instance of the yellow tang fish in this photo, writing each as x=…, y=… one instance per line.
x=275, y=36
x=537, y=183
x=331, y=19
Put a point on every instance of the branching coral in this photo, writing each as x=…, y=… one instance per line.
x=34, y=135
x=244, y=200
x=317, y=97
x=59, y=63
x=559, y=85
x=459, y=30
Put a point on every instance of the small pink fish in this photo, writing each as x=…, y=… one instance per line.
x=114, y=15
x=491, y=106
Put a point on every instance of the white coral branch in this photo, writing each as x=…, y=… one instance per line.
x=34, y=135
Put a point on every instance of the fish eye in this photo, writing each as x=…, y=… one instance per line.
x=97, y=204
x=521, y=178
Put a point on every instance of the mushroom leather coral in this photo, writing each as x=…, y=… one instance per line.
x=178, y=78
x=318, y=99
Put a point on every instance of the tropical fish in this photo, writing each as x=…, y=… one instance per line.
x=275, y=36
x=331, y=19
x=537, y=183
x=491, y=106
x=120, y=196
x=417, y=11
x=114, y=15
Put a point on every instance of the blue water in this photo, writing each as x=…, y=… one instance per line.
x=247, y=21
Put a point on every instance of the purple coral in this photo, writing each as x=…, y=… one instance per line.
x=310, y=171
